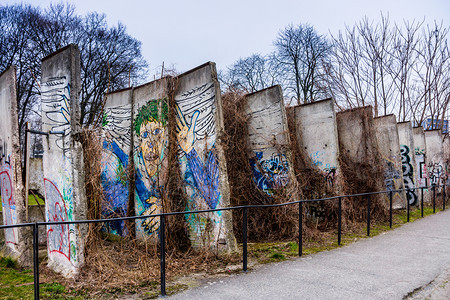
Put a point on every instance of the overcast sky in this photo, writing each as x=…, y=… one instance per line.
x=188, y=33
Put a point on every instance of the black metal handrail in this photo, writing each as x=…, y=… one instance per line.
x=245, y=208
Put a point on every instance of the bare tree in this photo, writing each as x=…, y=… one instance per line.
x=404, y=57
x=16, y=49
x=397, y=69
x=433, y=73
x=375, y=49
x=347, y=72
x=110, y=58
x=300, y=54
x=250, y=74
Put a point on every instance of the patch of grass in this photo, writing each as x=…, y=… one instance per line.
x=32, y=200
x=17, y=283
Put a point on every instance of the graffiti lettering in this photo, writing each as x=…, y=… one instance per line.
x=58, y=236
x=408, y=175
x=435, y=173
x=8, y=206
x=330, y=176
x=421, y=167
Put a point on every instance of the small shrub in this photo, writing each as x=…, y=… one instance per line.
x=278, y=256
x=8, y=262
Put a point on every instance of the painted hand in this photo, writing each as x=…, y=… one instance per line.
x=185, y=133
x=151, y=225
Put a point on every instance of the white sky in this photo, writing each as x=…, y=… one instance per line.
x=185, y=34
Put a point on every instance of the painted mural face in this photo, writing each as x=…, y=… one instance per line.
x=152, y=145
x=150, y=128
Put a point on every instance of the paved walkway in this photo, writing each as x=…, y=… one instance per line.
x=397, y=264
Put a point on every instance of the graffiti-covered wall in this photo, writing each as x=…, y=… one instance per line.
x=150, y=151
x=317, y=136
x=389, y=147
x=405, y=137
x=136, y=133
x=270, y=158
x=447, y=161
x=199, y=119
x=116, y=149
x=435, y=157
x=12, y=190
x=62, y=160
x=420, y=154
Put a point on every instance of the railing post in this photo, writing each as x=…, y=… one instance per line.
x=162, y=241
x=244, y=240
x=368, y=215
x=390, y=208
x=300, y=228
x=339, y=220
x=443, y=197
x=407, y=209
x=36, y=260
x=434, y=198
x=421, y=194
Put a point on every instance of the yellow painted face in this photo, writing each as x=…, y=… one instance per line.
x=152, y=145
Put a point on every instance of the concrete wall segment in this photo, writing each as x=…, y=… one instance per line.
x=150, y=153
x=435, y=157
x=317, y=135
x=199, y=127
x=389, y=146
x=14, y=207
x=116, y=158
x=360, y=158
x=269, y=141
x=405, y=136
x=420, y=154
x=63, y=159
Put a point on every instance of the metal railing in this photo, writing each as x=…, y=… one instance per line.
x=162, y=216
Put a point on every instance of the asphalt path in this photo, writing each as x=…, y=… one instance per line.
x=397, y=264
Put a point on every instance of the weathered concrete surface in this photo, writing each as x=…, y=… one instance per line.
x=36, y=174
x=269, y=153
x=420, y=153
x=116, y=158
x=202, y=161
x=361, y=161
x=150, y=148
x=389, y=146
x=63, y=160
x=438, y=289
x=12, y=190
x=405, y=137
x=447, y=160
x=377, y=268
x=435, y=157
x=35, y=215
x=317, y=134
